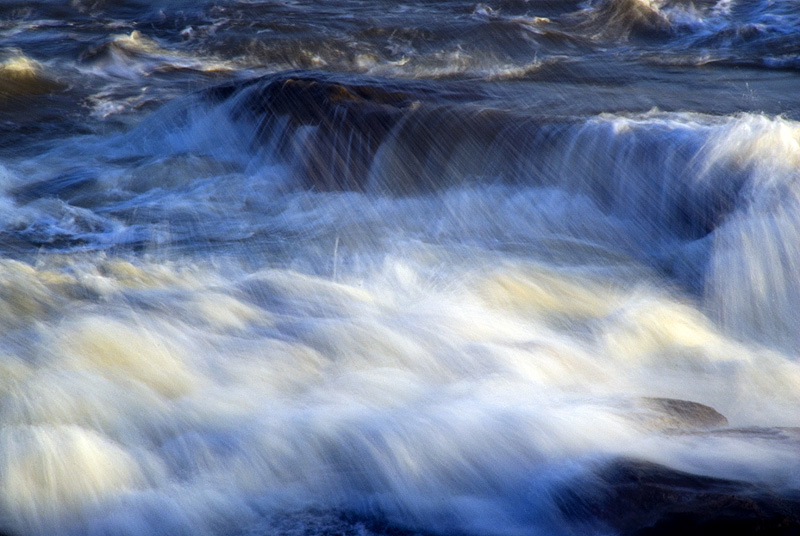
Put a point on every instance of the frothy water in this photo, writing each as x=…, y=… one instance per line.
x=176, y=398
x=332, y=268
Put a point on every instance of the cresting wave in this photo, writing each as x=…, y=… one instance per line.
x=20, y=76
x=685, y=193
x=691, y=192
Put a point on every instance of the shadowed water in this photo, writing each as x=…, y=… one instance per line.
x=514, y=267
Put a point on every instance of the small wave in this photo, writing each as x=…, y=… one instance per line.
x=20, y=76
x=751, y=34
x=621, y=19
x=135, y=55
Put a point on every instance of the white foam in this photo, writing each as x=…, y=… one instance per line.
x=382, y=392
x=444, y=360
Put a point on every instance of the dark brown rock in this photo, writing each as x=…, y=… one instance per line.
x=684, y=414
x=377, y=137
x=640, y=498
x=349, y=122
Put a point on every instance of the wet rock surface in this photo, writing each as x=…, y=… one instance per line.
x=681, y=415
x=348, y=124
x=387, y=137
x=407, y=138
x=640, y=498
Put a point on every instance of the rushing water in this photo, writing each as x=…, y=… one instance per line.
x=364, y=267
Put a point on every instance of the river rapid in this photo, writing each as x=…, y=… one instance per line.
x=366, y=267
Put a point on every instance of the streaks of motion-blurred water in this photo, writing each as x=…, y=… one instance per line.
x=368, y=267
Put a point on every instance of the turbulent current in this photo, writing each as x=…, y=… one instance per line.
x=368, y=268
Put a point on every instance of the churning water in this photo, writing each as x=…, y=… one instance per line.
x=368, y=267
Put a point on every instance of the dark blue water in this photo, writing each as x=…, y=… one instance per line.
x=521, y=267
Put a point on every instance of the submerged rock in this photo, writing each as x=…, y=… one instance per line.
x=639, y=498
x=410, y=138
x=674, y=414
x=330, y=130
x=635, y=497
x=383, y=137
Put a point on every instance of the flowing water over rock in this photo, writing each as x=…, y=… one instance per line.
x=520, y=267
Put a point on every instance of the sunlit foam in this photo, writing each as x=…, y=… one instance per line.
x=380, y=393
x=50, y=472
